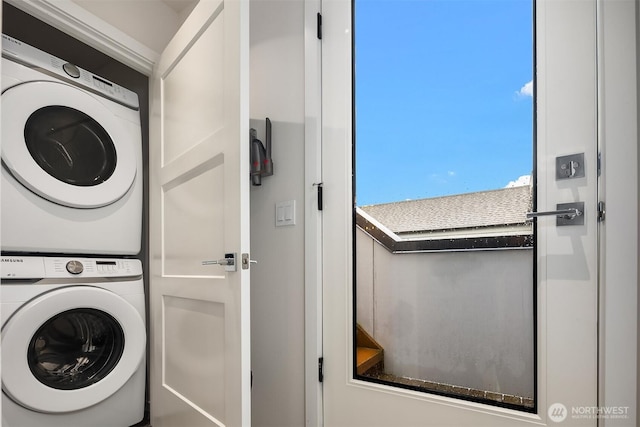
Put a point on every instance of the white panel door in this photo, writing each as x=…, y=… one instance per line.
x=199, y=211
x=566, y=350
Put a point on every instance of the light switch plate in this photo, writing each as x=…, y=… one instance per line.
x=286, y=213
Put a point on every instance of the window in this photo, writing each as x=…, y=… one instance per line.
x=443, y=149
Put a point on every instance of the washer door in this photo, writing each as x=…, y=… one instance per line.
x=65, y=145
x=70, y=348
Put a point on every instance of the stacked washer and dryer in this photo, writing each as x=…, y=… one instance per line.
x=73, y=304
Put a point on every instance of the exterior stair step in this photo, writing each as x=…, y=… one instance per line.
x=367, y=358
x=369, y=353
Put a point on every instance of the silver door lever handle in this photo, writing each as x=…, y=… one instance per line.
x=570, y=213
x=229, y=262
x=223, y=261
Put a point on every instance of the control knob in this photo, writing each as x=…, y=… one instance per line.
x=75, y=267
x=71, y=70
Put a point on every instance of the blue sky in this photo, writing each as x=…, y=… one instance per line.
x=443, y=97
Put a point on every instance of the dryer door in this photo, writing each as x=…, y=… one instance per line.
x=71, y=348
x=65, y=145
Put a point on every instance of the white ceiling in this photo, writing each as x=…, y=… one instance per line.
x=151, y=22
x=180, y=5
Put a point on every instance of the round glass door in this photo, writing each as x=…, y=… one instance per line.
x=75, y=349
x=70, y=146
x=67, y=145
x=70, y=348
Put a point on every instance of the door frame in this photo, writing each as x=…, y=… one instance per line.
x=312, y=213
x=619, y=336
x=618, y=33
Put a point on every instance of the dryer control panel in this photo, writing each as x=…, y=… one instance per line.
x=17, y=51
x=26, y=267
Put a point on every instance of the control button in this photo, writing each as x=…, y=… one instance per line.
x=71, y=70
x=75, y=267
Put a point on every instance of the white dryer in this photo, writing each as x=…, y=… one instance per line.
x=73, y=342
x=71, y=158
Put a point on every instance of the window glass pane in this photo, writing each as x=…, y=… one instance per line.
x=444, y=260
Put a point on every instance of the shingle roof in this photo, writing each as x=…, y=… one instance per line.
x=507, y=206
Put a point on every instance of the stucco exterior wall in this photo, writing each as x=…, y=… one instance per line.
x=461, y=318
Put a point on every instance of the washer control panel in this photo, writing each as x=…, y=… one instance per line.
x=29, y=56
x=26, y=267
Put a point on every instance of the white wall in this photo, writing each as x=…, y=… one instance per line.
x=461, y=318
x=277, y=281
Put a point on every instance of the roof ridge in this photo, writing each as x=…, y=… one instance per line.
x=447, y=196
x=502, y=206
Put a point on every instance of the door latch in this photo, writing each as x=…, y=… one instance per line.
x=246, y=261
x=229, y=262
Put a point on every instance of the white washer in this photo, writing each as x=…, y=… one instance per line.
x=73, y=342
x=71, y=158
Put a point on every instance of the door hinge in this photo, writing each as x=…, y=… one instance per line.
x=319, y=26
x=602, y=211
x=599, y=164
x=320, y=369
x=319, y=189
